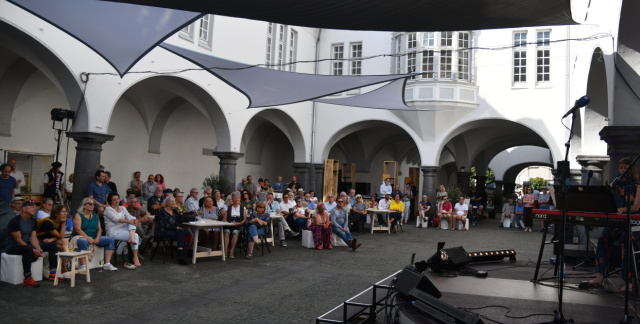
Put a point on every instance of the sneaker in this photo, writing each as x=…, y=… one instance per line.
x=82, y=268
x=283, y=243
x=330, y=247
x=293, y=233
x=52, y=277
x=318, y=247
x=109, y=267
x=129, y=266
x=30, y=283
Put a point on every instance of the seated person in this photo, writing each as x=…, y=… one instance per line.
x=445, y=209
x=519, y=213
x=258, y=222
x=237, y=216
x=477, y=199
x=461, y=210
x=508, y=211
x=384, y=204
x=340, y=224
x=121, y=226
x=425, y=210
x=300, y=217
x=87, y=230
x=46, y=209
x=167, y=227
x=209, y=211
x=134, y=209
x=154, y=204
x=359, y=214
x=22, y=240
x=321, y=228
x=273, y=208
x=397, y=208
x=52, y=229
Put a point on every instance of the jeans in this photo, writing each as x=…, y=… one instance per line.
x=106, y=242
x=301, y=222
x=255, y=231
x=27, y=255
x=345, y=236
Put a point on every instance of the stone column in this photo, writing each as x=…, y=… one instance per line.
x=463, y=181
x=498, y=192
x=481, y=182
x=317, y=183
x=595, y=164
x=87, y=161
x=574, y=176
x=509, y=188
x=301, y=171
x=430, y=181
x=622, y=142
x=228, y=162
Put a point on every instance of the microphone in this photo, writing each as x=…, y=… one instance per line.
x=583, y=101
x=589, y=176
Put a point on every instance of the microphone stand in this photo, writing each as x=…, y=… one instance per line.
x=559, y=316
x=627, y=193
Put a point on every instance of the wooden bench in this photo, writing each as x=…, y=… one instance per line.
x=363, y=304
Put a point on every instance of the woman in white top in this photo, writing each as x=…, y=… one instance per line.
x=121, y=226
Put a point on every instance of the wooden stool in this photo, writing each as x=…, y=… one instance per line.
x=74, y=256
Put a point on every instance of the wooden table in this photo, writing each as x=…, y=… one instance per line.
x=201, y=251
x=373, y=212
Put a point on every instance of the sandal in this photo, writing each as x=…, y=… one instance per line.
x=249, y=256
x=231, y=256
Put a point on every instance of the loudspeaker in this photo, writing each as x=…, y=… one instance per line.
x=442, y=312
x=409, y=280
x=451, y=258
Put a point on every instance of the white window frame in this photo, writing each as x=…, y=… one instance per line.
x=205, y=31
x=355, y=58
x=187, y=32
x=464, y=56
x=337, y=53
x=268, y=60
x=543, y=56
x=398, y=51
x=412, y=55
x=519, y=57
x=281, y=46
x=293, y=49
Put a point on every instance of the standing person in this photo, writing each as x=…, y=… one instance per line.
x=68, y=187
x=340, y=223
x=279, y=185
x=121, y=226
x=442, y=192
x=53, y=182
x=321, y=228
x=7, y=184
x=113, y=188
x=407, y=197
x=136, y=184
x=18, y=175
x=544, y=199
x=294, y=185
x=98, y=191
x=461, y=210
x=149, y=188
x=528, y=201
x=397, y=208
x=385, y=187
x=22, y=240
x=425, y=211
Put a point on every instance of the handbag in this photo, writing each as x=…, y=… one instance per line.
x=187, y=217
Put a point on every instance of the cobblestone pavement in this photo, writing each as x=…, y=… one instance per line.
x=290, y=285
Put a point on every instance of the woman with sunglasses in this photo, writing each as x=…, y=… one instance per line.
x=247, y=200
x=86, y=225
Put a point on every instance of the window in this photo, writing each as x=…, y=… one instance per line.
x=429, y=39
x=281, y=44
x=268, y=57
x=412, y=44
x=293, y=49
x=337, y=53
x=187, y=32
x=445, y=64
x=520, y=57
x=356, y=59
x=543, y=56
x=428, y=67
x=398, y=57
x=463, y=56
x=446, y=38
x=204, y=32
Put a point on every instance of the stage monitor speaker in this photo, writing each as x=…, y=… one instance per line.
x=409, y=280
x=448, y=259
x=440, y=311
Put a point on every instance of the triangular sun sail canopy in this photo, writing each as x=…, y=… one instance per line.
x=119, y=32
x=389, y=96
x=268, y=87
x=385, y=15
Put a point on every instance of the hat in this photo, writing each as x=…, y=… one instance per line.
x=17, y=199
x=320, y=206
x=30, y=203
x=300, y=190
x=56, y=164
x=386, y=193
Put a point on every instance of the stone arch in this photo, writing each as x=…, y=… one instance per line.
x=31, y=55
x=157, y=97
x=259, y=130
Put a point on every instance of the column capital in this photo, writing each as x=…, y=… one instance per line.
x=592, y=161
x=429, y=169
x=228, y=155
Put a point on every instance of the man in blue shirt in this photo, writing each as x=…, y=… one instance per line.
x=98, y=191
x=279, y=185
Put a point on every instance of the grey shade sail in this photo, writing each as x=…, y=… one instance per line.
x=385, y=15
x=119, y=32
x=268, y=87
x=389, y=96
